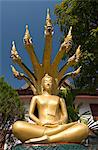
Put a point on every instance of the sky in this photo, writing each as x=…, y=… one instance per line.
x=14, y=15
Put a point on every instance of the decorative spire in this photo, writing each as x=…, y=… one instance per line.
x=72, y=60
x=67, y=44
x=48, y=19
x=48, y=13
x=27, y=38
x=69, y=33
x=78, y=53
x=76, y=72
x=14, y=53
x=48, y=26
x=13, y=46
x=16, y=73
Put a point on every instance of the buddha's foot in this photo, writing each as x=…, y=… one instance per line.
x=43, y=139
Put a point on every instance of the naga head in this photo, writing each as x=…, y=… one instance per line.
x=48, y=26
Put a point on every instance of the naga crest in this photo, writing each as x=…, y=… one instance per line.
x=34, y=77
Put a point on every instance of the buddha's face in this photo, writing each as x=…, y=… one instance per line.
x=47, y=83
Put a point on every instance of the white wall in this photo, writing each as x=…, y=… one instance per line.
x=86, y=101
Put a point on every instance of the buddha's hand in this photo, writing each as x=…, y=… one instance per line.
x=58, y=122
x=50, y=124
x=39, y=123
x=46, y=123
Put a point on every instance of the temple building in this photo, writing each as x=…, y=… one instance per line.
x=89, y=103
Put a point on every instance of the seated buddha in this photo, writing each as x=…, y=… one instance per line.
x=51, y=123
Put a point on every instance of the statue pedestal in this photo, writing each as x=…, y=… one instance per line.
x=53, y=146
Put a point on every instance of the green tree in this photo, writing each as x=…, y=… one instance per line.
x=10, y=105
x=82, y=15
x=69, y=97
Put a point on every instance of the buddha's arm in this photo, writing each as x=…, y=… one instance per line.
x=31, y=111
x=64, y=115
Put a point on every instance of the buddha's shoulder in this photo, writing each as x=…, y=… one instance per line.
x=55, y=96
x=36, y=97
x=58, y=98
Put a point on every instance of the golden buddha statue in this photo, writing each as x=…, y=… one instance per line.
x=51, y=123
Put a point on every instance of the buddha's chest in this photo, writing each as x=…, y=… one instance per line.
x=49, y=105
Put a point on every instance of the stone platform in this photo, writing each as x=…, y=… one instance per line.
x=54, y=146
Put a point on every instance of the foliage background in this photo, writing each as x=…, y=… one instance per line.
x=82, y=15
x=69, y=96
x=11, y=108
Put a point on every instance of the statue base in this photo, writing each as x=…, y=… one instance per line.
x=53, y=146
